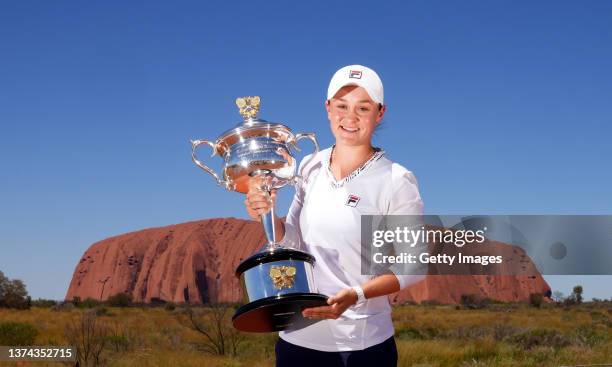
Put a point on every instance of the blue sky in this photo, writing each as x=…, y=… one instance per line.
x=499, y=107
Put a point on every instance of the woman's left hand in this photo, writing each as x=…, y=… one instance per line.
x=337, y=305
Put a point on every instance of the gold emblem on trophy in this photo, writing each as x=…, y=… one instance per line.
x=249, y=106
x=282, y=276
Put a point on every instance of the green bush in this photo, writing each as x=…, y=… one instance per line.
x=587, y=336
x=419, y=334
x=17, y=333
x=63, y=306
x=536, y=299
x=120, y=300
x=504, y=331
x=89, y=303
x=474, y=301
x=430, y=303
x=102, y=311
x=540, y=338
x=409, y=333
x=468, y=332
x=44, y=303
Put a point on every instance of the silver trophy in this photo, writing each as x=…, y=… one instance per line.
x=277, y=282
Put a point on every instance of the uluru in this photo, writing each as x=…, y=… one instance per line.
x=194, y=262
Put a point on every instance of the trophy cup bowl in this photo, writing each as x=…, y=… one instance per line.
x=277, y=282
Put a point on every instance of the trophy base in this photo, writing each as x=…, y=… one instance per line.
x=277, y=313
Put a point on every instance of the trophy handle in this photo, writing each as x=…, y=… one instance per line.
x=194, y=145
x=313, y=139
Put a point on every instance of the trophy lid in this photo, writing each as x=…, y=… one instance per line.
x=252, y=126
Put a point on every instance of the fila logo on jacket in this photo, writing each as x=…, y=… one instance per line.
x=352, y=200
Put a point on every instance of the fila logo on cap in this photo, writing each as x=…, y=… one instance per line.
x=355, y=74
x=352, y=200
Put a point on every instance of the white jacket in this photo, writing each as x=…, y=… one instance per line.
x=324, y=220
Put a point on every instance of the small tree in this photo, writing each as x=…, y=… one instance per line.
x=90, y=336
x=13, y=293
x=3, y=281
x=577, y=294
x=215, y=326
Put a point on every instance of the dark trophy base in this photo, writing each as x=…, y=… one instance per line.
x=277, y=313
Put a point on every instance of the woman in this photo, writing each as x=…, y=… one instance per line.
x=340, y=184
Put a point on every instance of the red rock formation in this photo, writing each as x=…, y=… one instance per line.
x=195, y=262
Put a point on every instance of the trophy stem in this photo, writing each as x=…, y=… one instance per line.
x=267, y=220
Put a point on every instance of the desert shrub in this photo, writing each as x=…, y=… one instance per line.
x=44, y=303
x=481, y=351
x=119, y=343
x=119, y=338
x=587, y=336
x=430, y=302
x=63, y=306
x=474, y=301
x=214, y=325
x=102, y=311
x=536, y=299
x=90, y=337
x=409, y=333
x=540, y=338
x=88, y=303
x=504, y=331
x=569, y=301
x=597, y=315
x=119, y=300
x=17, y=333
x=468, y=332
x=173, y=335
x=169, y=306
x=497, y=332
x=575, y=298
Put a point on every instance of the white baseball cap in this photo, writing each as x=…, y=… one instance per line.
x=361, y=76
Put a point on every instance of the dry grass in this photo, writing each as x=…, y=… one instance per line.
x=500, y=335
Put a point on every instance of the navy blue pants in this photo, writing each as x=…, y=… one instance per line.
x=379, y=355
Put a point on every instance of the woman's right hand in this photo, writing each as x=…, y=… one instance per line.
x=258, y=201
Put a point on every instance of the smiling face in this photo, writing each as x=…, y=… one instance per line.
x=353, y=116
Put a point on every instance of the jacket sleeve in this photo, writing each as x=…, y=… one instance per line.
x=405, y=200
